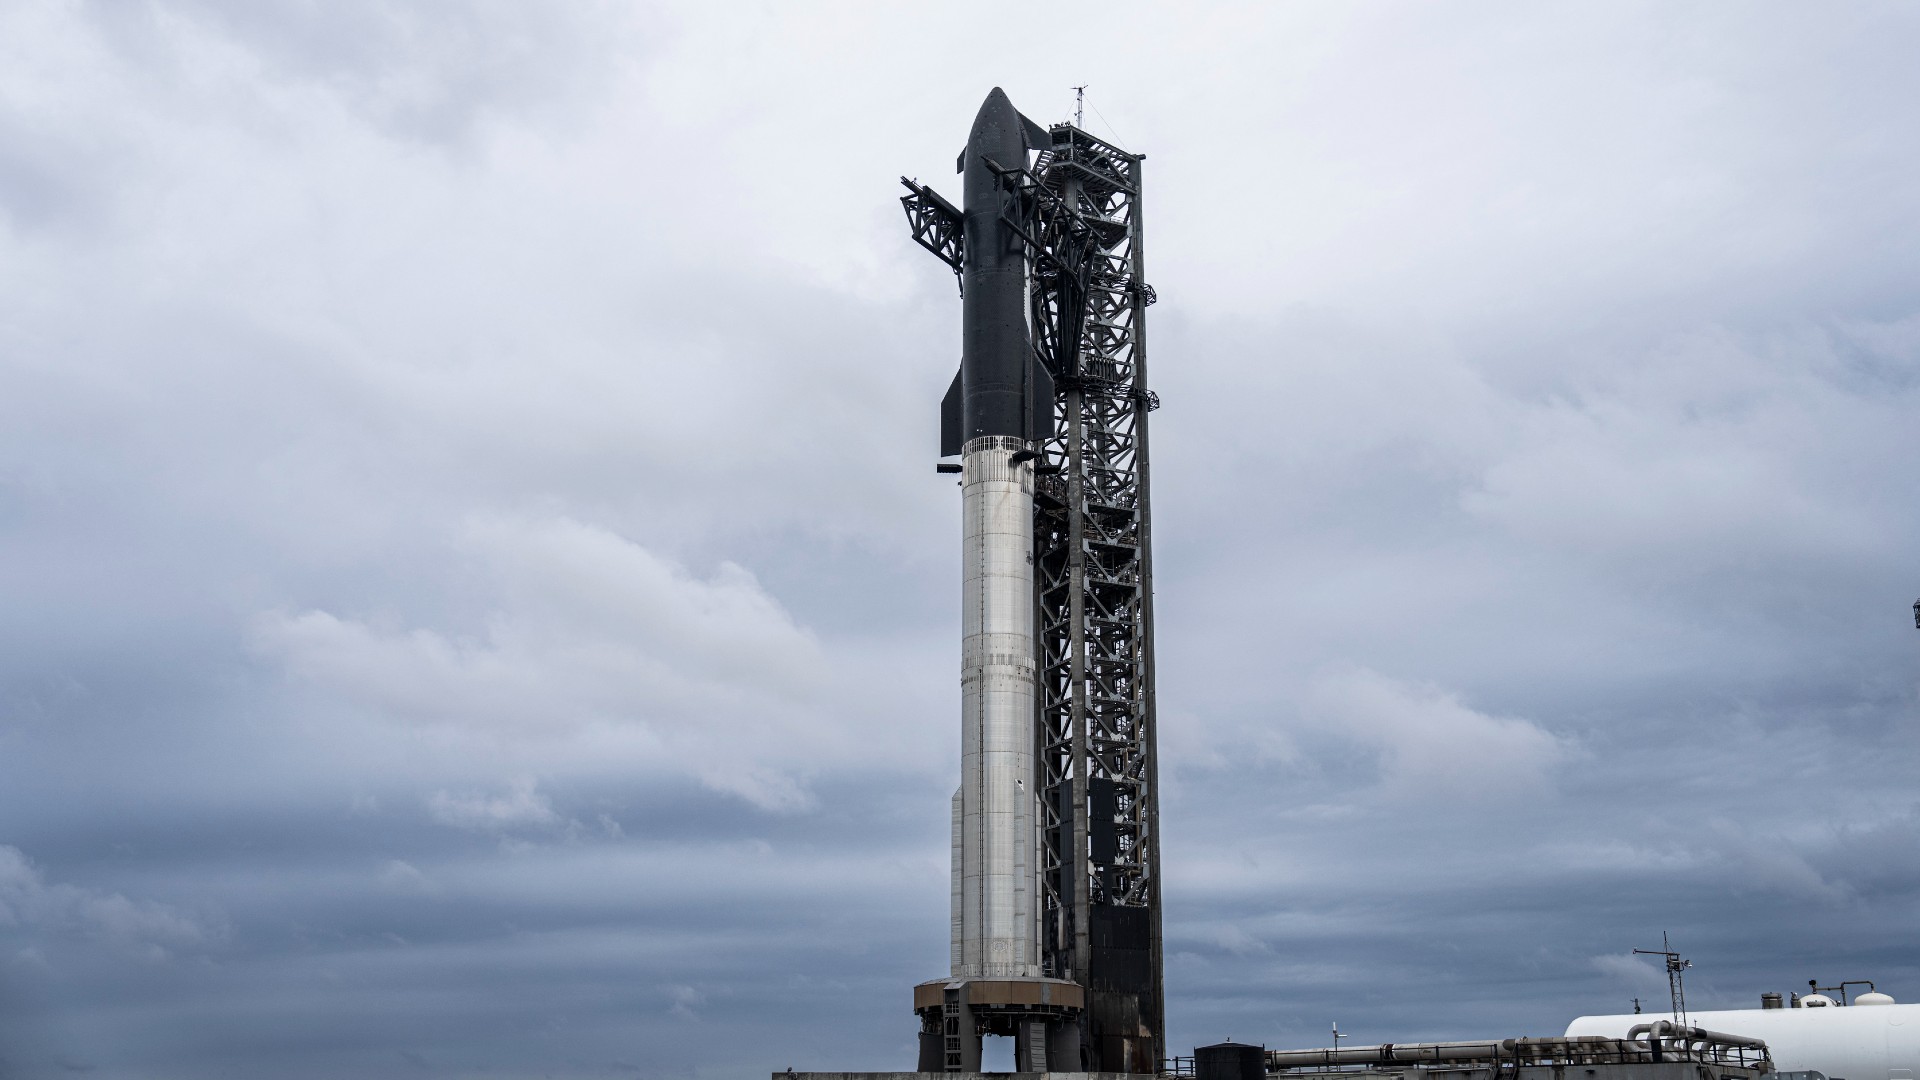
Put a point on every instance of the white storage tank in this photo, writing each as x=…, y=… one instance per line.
x=1872, y=1039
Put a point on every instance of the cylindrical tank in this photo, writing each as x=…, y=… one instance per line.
x=998, y=923
x=1771, y=1000
x=1877, y=1043
x=1230, y=1061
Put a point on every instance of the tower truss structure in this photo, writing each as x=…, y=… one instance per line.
x=1100, y=884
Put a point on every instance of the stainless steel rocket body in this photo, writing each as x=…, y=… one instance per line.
x=996, y=888
x=998, y=917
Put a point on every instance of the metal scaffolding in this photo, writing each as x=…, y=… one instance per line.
x=1100, y=830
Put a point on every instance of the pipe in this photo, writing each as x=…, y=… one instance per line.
x=1667, y=1029
x=1663, y=1035
x=1417, y=1053
x=1644, y=1042
x=1384, y=1053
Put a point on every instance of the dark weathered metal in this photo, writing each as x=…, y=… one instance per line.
x=936, y=226
x=996, y=358
x=1144, y=402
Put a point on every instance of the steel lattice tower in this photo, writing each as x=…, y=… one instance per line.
x=1075, y=213
x=1101, y=871
x=1101, y=849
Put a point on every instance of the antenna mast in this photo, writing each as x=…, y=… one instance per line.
x=1676, y=983
x=1080, y=99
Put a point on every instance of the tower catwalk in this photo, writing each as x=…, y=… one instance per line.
x=1056, y=868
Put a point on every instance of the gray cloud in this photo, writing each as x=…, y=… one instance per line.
x=521, y=807
x=31, y=905
x=477, y=600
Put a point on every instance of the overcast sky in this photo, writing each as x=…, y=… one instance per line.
x=476, y=599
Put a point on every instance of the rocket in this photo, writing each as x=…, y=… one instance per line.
x=999, y=407
x=1010, y=974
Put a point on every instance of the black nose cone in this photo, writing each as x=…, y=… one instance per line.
x=996, y=106
x=997, y=130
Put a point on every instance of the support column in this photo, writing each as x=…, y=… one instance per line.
x=960, y=1034
x=1030, y=1045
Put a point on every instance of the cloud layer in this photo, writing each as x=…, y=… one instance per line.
x=476, y=598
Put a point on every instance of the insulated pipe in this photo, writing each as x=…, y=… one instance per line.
x=1653, y=1034
x=998, y=920
x=1658, y=1033
x=1530, y=1049
x=1386, y=1052
x=1667, y=1029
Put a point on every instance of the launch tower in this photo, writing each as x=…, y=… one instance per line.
x=1056, y=848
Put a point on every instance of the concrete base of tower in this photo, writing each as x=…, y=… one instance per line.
x=1043, y=1016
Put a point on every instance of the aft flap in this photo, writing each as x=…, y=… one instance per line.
x=1037, y=137
x=1040, y=405
x=951, y=438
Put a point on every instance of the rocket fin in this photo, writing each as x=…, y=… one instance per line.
x=960, y=163
x=1037, y=137
x=952, y=440
x=1040, y=404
